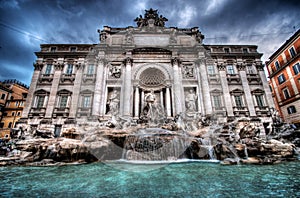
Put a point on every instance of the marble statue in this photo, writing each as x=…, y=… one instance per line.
x=190, y=100
x=113, y=103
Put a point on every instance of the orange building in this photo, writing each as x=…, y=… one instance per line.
x=13, y=96
x=284, y=73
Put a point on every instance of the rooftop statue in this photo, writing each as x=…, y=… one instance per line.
x=150, y=14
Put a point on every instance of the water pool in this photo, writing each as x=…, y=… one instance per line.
x=189, y=179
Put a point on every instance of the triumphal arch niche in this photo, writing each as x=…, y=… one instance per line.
x=158, y=70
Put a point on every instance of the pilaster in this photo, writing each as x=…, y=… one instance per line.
x=98, y=87
x=178, y=98
x=127, y=88
x=205, y=87
x=226, y=94
x=30, y=97
x=247, y=90
x=76, y=90
x=54, y=87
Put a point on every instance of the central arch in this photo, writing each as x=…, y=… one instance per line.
x=152, y=78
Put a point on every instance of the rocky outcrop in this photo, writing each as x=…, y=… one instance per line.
x=233, y=143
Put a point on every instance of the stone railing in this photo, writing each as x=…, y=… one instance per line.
x=233, y=79
x=89, y=77
x=46, y=78
x=84, y=111
x=240, y=111
x=61, y=111
x=37, y=111
x=67, y=78
x=253, y=78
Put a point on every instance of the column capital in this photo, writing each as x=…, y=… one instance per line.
x=101, y=61
x=240, y=66
x=200, y=61
x=128, y=61
x=260, y=67
x=221, y=67
x=59, y=66
x=79, y=66
x=175, y=60
x=38, y=66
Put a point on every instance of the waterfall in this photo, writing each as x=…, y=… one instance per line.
x=246, y=151
x=155, y=144
x=233, y=151
x=206, y=143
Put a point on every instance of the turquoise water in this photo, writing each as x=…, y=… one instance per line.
x=191, y=179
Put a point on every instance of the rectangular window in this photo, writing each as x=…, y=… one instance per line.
x=259, y=100
x=245, y=50
x=217, y=102
x=86, y=101
x=286, y=93
x=238, y=101
x=53, y=49
x=277, y=65
x=210, y=69
x=17, y=103
x=91, y=70
x=281, y=78
x=291, y=109
x=73, y=49
x=40, y=101
x=63, y=101
x=230, y=69
x=48, y=69
x=3, y=96
x=226, y=50
x=69, y=69
x=296, y=68
x=292, y=52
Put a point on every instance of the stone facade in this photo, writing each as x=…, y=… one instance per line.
x=13, y=96
x=135, y=71
x=284, y=73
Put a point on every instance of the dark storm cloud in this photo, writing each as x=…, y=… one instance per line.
x=25, y=24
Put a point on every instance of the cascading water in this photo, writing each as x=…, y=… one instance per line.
x=153, y=144
x=206, y=143
x=246, y=151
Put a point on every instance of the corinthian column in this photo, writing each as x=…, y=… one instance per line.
x=205, y=94
x=168, y=101
x=178, y=95
x=76, y=90
x=127, y=89
x=53, y=91
x=137, y=102
x=265, y=83
x=225, y=88
x=30, y=96
x=98, y=88
x=247, y=90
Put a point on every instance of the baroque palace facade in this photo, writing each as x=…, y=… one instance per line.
x=133, y=66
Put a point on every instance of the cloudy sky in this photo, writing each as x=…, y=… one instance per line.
x=25, y=24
